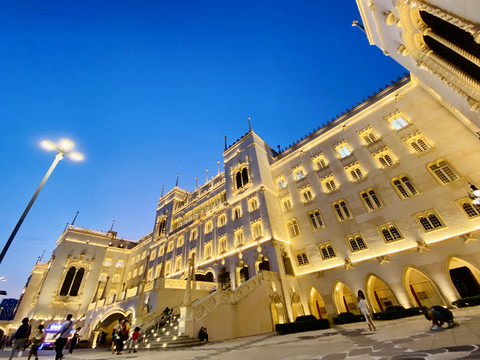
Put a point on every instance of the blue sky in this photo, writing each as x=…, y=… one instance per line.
x=148, y=89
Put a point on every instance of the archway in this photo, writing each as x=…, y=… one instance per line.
x=344, y=299
x=297, y=306
x=224, y=279
x=379, y=294
x=261, y=264
x=465, y=277
x=317, y=305
x=208, y=277
x=421, y=289
x=278, y=311
x=242, y=273
x=108, y=323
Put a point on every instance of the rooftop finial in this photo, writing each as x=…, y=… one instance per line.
x=113, y=223
x=360, y=26
x=176, y=183
x=225, y=139
x=75, y=218
x=163, y=188
x=249, y=125
x=196, y=182
x=218, y=165
x=207, y=176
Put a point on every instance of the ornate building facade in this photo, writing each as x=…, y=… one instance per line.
x=376, y=199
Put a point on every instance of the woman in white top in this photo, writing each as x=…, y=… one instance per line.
x=362, y=304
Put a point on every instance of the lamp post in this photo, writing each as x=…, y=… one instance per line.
x=474, y=194
x=62, y=149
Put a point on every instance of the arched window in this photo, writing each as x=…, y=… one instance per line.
x=287, y=263
x=241, y=178
x=76, y=282
x=72, y=281
x=452, y=44
x=67, y=283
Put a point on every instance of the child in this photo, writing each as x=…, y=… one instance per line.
x=36, y=340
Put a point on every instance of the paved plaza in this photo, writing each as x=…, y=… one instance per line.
x=408, y=338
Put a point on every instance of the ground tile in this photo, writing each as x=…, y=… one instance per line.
x=340, y=356
x=361, y=351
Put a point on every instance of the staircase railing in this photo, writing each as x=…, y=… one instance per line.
x=209, y=303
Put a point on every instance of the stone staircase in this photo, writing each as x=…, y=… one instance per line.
x=166, y=337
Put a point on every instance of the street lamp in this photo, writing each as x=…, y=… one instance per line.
x=474, y=194
x=63, y=148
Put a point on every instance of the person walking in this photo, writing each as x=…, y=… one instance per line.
x=133, y=340
x=36, y=339
x=363, y=306
x=20, y=337
x=74, y=341
x=62, y=337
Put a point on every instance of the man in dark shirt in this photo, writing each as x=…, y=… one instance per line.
x=20, y=337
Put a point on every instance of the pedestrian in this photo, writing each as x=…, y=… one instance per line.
x=439, y=315
x=36, y=340
x=133, y=340
x=20, y=337
x=365, y=309
x=203, y=334
x=120, y=335
x=62, y=337
x=74, y=341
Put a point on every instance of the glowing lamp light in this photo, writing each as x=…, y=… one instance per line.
x=47, y=145
x=76, y=156
x=66, y=145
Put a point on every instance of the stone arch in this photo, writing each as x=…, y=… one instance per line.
x=242, y=273
x=224, y=281
x=344, y=299
x=464, y=276
x=420, y=288
x=108, y=321
x=317, y=305
x=297, y=306
x=378, y=293
x=261, y=264
x=207, y=275
x=277, y=309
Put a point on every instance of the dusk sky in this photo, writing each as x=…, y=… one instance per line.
x=148, y=89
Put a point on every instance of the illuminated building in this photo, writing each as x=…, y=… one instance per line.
x=375, y=200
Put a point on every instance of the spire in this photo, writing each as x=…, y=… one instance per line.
x=225, y=139
x=176, y=184
x=163, y=188
x=218, y=165
x=113, y=223
x=249, y=125
x=75, y=218
x=196, y=182
x=207, y=175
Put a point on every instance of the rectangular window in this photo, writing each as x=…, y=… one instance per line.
x=281, y=184
x=342, y=150
x=356, y=242
x=298, y=173
x=368, y=136
x=397, y=120
x=316, y=220
x=443, y=172
x=327, y=251
x=429, y=220
x=319, y=162
x=329, y=184
x=384, y=158
x=253, y=204
x=342, y=211
x=355, y=172
x=468, y=208
x=389, y=232
x=301, y=257
x=293, y=228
